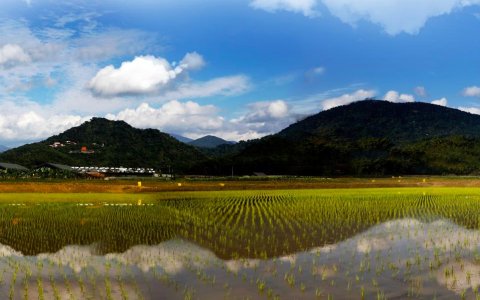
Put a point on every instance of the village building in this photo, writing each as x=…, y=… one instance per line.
x=12, y=167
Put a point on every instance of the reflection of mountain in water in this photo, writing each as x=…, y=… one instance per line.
x=395, y=259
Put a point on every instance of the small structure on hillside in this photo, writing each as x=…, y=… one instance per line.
x=57, y=145
x=12, y=167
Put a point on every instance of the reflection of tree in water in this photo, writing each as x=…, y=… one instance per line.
x=395, y=259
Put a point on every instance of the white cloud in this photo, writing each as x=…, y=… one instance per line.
x=472, y=91
x=145, y=74
x=266, y=111
x=41, y=53
x=173, y=116
x=395, y=16
x=225, y=86
x=194, y=120
x=421, y=91
x=395, y=97
x=12, y=54
x=154, y=75
x=263, y=118
x=347, y=98
x=27, y=121
x=472, y=110
x=109, y=43
x=442, y=102
x=193, y=61
x=306, y=7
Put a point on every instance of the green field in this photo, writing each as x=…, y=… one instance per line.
x=332, y=244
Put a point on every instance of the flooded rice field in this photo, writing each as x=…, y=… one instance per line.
x=316, y=244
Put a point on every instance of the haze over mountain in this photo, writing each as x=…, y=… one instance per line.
x=209, y=141
x=3, y=148
x=101, y=142
x=181, y=138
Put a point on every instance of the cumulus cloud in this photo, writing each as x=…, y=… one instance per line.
x=173, y=116
x=442, y=102
x=144, y=74
x=306, y=7
x=12, y=54
x=396, y=97
x=347, y=98
x=472, y=110
x=28, y=121
x=149, y=74
x=472, y=91
x=265, y=112
x=194, y=120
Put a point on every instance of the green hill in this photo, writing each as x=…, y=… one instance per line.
x=370, y=138
x=108, y=143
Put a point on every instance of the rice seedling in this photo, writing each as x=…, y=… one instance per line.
x=371, y=243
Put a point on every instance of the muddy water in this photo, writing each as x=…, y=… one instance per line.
x=398, y=259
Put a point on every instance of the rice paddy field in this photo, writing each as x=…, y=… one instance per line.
x=370, y=243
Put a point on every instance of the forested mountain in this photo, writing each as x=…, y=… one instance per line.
x=209, y=141
x=101, y=142
x=369, y=138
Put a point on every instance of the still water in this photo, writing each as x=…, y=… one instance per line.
x=397, y=259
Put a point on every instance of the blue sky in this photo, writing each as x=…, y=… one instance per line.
x=235, y=69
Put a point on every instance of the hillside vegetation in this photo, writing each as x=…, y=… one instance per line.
x=368, y=138
x=108, y=143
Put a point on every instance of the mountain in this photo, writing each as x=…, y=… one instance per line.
x=365, y=138
x=3, y=148
x=101, y=142
x=209, y=141
x=398, y=122
x=369, y=137
x=181, y=138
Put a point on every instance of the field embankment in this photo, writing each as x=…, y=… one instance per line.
x=152, y=186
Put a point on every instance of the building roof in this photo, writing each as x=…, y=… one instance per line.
x=260, y=174
x=8, y=166
x=57, y=167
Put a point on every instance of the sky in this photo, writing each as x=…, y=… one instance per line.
x=237, y=69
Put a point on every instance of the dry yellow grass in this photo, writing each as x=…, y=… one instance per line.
x=131, y=186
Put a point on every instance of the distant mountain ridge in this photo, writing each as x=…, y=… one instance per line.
x=101, y=142
x=365, y=138
x=3, y=148
x=181, y=138
x=209, y=141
